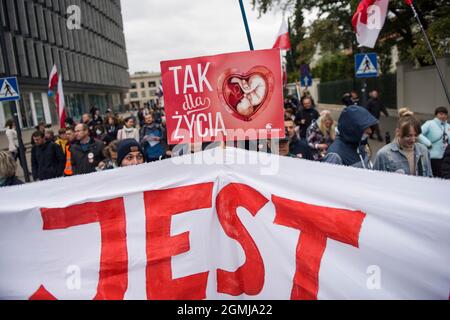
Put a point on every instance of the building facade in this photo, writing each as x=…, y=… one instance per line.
x=84, y=38
x=144, y=89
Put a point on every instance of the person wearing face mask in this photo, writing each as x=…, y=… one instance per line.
x=405, y=155
x=435, y=135
x=354, y=128
x=99, y=133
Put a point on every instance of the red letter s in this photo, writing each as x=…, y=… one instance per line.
x=249, y=278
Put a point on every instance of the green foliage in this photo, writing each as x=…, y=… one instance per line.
x=334, y=67
x=334, y=33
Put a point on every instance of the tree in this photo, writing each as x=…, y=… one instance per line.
x=400, y=29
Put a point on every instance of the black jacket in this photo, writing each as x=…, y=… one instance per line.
x=111, y=133
x=11, y=181
x=304, y=118
x=48, y=161
x=446, y=164
x=348, y=101
x=376, y=107
x=300, y=149
x=86, y=158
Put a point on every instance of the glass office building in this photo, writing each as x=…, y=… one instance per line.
x=87, y=44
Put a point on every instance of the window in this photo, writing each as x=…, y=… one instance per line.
x=53, y=111
x=39, y=106
x=25, y=111
x=143, y=94
x=134, y=95
x=133, y=85
x=152, y=84
x=74, y=104
x=152, y=92
x=7, y=111
x=142, y=85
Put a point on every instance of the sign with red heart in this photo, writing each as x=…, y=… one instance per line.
x=236, y=96
x=245, y=95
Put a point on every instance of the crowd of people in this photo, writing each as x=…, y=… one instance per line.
x=419, y=150
x=95, y=143
x=99, y=143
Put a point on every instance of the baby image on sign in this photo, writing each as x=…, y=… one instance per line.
x=214, y=97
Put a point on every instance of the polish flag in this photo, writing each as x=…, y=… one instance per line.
x=283, y=41
x=369, y=20
x=56, y=80
x=53, y=79
x=61, y=104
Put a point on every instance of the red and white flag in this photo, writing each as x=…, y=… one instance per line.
x=409, y=2
x=54, y=80
x=369, y=20
x=283, y=41
x=61, y=104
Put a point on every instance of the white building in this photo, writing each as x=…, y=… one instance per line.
x=144, y=89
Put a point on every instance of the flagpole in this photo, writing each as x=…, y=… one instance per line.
x=14, y=107
x=441, y=76
x=247, y=29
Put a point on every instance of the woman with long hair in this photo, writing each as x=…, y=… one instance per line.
x=112, y=128
x=128, y=131
x=321, y=134
x=405, y=155
x=8, y=171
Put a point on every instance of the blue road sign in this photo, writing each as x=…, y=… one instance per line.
x=366, y=65
x=306, y=81
x=304, y=70
x=9, y=89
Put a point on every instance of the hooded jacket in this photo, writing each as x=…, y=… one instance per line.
x=346, y=150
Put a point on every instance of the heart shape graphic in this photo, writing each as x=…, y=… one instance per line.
x=246, y=95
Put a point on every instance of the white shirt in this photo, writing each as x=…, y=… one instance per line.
x=11, y=134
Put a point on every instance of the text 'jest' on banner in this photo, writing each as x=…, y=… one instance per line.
x=224, y=231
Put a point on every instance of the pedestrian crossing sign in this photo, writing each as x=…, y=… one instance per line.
x=366, y=65
x=9, y=89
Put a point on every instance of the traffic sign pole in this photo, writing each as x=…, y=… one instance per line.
x=23, y=159
x=14, y=107
x=364, y=87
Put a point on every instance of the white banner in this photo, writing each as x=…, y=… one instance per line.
x=253, y=227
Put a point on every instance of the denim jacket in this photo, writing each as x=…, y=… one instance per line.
x=392, y=159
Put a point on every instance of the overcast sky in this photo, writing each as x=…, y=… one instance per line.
x=157, y=30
